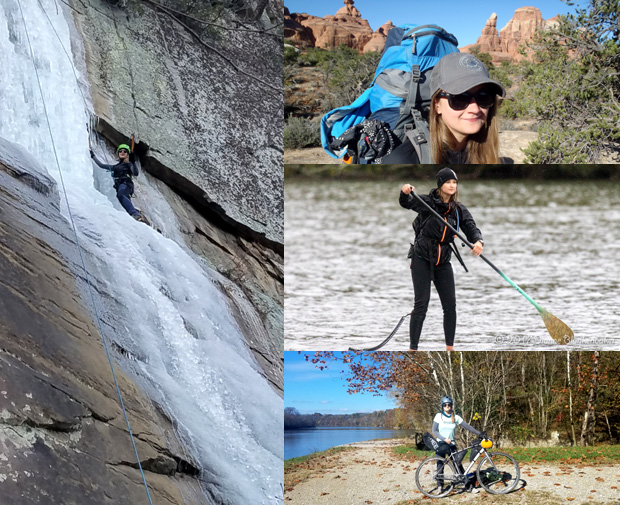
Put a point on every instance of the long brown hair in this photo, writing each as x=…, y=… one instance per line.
x=482, y=147
x=453, y=198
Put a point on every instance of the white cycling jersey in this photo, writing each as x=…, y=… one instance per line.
x=446, y=426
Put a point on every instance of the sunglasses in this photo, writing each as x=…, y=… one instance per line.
x=123, y=151
x=447, y=405
x=484, y=99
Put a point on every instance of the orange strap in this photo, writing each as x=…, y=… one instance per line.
x=444, y=234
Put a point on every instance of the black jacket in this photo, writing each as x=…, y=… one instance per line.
x=407, y=155
x=122, y=172
x=433, y=239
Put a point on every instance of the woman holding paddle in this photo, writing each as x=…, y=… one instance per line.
x=432, y=249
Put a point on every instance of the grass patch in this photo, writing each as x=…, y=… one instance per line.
x=411, y=450
x=602, y=454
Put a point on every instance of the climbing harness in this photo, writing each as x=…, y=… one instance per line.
x=79, y=247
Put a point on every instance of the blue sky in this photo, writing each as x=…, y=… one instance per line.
x=311, y=390
x=463, y=19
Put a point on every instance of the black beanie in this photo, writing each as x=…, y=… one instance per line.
x=445, y=174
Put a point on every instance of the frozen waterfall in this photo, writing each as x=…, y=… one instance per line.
x=190, y=354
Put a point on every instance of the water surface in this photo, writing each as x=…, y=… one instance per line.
x=348, y=280
x=306, y=441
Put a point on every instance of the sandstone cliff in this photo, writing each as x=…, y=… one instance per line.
x=346, y=27
x=349, y=28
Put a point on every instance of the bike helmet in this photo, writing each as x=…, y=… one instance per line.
x=123, y=146
x=446, y=399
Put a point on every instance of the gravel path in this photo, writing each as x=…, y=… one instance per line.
x=371, y=474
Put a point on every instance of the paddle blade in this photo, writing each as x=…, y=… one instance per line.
x=559, y=331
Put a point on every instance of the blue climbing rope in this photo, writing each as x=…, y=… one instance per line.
x=92, y=296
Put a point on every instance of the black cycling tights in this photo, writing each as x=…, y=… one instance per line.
x=444, y=283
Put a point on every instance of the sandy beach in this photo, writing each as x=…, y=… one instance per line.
x=370, y=473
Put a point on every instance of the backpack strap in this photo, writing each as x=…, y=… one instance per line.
x=407, y=106
x=417, y=132
x=455, y=250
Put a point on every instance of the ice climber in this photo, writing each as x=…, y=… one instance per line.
x=123, y=172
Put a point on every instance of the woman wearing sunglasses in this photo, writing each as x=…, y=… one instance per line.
x=122, y=173
x=462, y=117
x=432, y=249
x=444, y=426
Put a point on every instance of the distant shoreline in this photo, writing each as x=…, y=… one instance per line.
x=465, y=172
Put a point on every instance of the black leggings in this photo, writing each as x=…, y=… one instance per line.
x=443, y=451
x=444, y=283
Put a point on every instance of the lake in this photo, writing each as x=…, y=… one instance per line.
x=348, y=280
x=306, y=441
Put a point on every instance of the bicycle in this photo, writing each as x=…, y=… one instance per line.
x=497, y=472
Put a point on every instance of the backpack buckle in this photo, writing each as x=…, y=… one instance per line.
x=415, y=73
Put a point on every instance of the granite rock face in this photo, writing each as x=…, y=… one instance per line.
x=205, y=104
x=63, y=438
x=204, y=100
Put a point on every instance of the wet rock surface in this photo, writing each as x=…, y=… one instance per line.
x=63, y=438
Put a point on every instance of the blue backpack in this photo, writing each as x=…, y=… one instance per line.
x=398, y=99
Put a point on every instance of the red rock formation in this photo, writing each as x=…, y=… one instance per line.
x=489, y=40
x=377, y=41
x=345, y=27
x=295, y=32
x=348, y=10
x=520, y=29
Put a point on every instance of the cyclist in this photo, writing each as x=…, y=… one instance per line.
x=444, y=426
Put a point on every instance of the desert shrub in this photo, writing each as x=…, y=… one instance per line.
x=300, y=132
x=571, y=86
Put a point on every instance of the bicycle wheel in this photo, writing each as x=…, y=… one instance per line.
x=498, y=473
x=435, y=477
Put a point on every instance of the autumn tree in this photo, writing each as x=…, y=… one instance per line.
x=512, y=395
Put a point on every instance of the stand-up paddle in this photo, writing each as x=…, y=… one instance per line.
x=559, y=331
x=377, y=347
